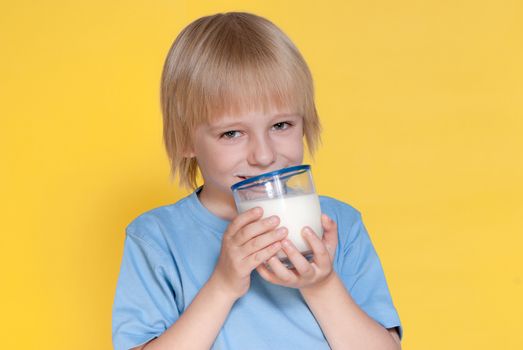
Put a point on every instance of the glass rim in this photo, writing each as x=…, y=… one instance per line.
x=271, y=174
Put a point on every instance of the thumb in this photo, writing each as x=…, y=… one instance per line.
x=330, y=234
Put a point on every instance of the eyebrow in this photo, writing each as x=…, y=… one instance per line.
x=233, y=123
x=221, y=126
x=286, y=115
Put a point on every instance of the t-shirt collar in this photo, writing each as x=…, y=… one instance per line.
x=205, y=216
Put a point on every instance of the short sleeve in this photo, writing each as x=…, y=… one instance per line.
x=363, y=276
x=144, y=305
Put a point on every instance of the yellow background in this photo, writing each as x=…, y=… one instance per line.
x=422, y=108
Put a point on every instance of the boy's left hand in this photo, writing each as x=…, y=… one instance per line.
x=305, y=274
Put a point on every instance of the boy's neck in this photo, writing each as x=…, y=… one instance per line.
x=220, y=204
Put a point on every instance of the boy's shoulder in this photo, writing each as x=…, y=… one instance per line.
x=154, y=225
x=160, y=214
x=338, y=210
x=333, y=204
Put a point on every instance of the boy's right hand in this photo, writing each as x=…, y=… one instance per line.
x=247, y=243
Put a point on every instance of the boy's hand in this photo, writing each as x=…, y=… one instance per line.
x=247, y=243
x=305, y=274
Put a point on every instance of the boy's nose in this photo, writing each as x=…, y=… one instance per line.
x=262, y=152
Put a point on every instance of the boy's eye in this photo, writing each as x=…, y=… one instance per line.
x=230, y=134
x=281, y=125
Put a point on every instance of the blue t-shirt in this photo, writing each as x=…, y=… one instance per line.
x=171, y=251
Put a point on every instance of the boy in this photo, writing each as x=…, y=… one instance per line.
x=237, y=101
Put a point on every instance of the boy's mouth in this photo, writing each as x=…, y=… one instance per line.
x=245, y=177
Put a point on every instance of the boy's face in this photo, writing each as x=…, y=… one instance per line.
x=234, y=147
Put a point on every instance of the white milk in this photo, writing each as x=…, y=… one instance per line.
x=295, y=212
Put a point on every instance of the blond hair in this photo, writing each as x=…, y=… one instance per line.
x=230, y=63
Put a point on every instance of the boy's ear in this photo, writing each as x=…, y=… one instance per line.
x=189, y=150
x=189, y=153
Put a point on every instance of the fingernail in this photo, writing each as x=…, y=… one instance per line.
x=273, y=220
x=281, y=231
x=257, y=210
x=286, y=243
x=307, y=231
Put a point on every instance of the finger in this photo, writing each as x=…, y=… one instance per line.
x=267, y=275
x=244, y=218
x=241, y=220
x=302, y=266
x=254, y=260
x=330, y=234
x=263, y=240
x=319, y=250
x=254, y=229
x=283, y=274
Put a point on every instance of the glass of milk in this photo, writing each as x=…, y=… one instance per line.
x=289, y=194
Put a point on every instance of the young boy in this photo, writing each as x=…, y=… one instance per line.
x=237, y=101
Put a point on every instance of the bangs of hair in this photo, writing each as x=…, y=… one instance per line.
x=242, y=68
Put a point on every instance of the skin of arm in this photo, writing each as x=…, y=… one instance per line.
x=247, y=242
x=343, y=322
